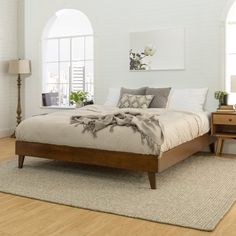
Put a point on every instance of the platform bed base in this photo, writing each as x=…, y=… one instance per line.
x=129, y=161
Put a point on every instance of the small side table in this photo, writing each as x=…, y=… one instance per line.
x=223, y=126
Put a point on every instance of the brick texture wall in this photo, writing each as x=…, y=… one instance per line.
x=8, y=51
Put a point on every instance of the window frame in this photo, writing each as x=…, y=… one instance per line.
x=70, y=61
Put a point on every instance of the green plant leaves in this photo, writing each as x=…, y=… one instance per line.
x=78, y=96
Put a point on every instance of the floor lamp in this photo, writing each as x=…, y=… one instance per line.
x=19, y=67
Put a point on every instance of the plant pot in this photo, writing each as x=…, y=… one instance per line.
x=79, y=104
x=223, y=101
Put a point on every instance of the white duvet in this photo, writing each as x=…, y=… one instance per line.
x=178, y=127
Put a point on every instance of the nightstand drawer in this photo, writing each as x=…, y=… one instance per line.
x=224, y=119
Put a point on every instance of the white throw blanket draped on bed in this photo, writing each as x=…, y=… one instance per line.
x=146, y=124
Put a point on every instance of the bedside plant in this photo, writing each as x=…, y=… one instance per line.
x=221, y=96
x=78, y=97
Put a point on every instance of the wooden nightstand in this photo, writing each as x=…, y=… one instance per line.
x=223, y=126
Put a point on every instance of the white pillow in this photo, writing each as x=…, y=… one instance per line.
x=192, y=100
x=113, y=97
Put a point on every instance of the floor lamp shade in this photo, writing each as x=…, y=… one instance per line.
x=19, y=67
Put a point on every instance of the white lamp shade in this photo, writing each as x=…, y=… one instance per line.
x=233, y=83
x=19, y=67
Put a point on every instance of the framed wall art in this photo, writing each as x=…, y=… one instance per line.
x=162, y=49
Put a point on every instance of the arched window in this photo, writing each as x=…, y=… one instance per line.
x=231, y=54
x=68, y=55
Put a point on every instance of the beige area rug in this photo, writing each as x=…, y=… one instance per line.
x=195, y=193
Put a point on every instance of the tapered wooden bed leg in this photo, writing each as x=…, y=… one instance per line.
x=212, y=147
x=152, y=179
x=21, y=161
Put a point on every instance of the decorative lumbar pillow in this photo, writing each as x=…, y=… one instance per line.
x=192, y=100
x=113, y=97
x=135, y=101
x=161, y=97
x=139, y=91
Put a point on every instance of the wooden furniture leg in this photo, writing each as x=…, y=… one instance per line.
x=212, y=147
x=219, y=146
x=21, y=161
x=152, y=179
x=222, y=144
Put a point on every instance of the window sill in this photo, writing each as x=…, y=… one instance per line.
x=58, y=107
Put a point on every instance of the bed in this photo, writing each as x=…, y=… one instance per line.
x=52, y=136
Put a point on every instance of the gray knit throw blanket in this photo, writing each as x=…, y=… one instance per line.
x=146, y=124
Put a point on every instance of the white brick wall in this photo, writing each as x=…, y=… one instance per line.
x=8, y=51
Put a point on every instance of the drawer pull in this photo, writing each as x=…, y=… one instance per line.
x=230, y=120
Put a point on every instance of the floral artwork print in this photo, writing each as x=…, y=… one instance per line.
x=136, y=59
x=161, y=49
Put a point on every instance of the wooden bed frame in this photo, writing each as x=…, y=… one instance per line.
x=130, y=161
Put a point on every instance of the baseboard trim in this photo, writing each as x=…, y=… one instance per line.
x=6, y=133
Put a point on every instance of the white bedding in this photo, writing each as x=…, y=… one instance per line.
x=55, y=128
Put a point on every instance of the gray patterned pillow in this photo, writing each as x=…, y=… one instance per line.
x=135, y=101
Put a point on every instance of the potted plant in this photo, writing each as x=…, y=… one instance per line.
x=222, y=97
x=78, y=98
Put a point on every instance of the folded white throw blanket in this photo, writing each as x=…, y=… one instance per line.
x=146, y=124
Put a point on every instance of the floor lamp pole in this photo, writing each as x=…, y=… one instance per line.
x=18, y=111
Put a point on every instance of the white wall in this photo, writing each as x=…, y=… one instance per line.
x=8, y=51
x=21, y=47
x=113, y=20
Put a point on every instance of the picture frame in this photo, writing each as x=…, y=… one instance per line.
x=162, y=49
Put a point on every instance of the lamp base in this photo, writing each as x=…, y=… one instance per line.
x=18, y=111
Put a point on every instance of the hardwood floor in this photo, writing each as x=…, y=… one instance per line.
x=23, y=217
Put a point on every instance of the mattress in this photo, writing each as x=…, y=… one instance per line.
x=178, y=127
